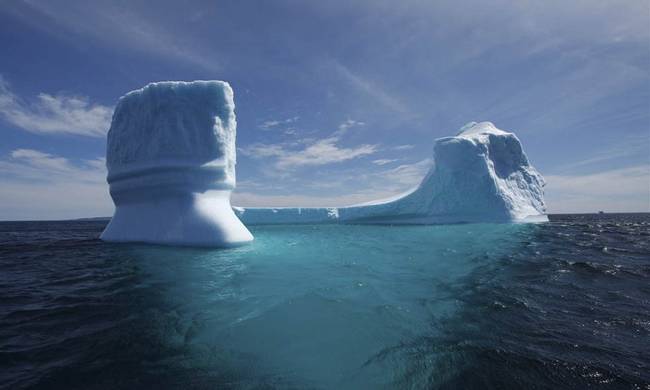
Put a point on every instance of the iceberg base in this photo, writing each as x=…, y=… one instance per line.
x=190, y=219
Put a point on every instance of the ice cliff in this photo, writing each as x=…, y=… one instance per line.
x=171, y=165
x=480, y=175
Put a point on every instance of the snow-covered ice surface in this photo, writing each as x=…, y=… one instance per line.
x=480, y=175
x=171, y=165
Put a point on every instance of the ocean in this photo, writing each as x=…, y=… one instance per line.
x=564, y=304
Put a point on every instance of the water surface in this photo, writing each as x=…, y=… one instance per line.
x=557, y=305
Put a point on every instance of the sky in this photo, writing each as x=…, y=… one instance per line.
x=337, y=102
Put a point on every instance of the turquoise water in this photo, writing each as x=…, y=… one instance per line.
x=554, y=305
x=314, y=304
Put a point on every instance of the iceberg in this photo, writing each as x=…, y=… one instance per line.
x=171, y=166
x=171, y=169
x=480, y=175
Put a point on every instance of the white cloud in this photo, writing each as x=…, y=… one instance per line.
x=384, y=161
x=618, y=190
x=55, y=114
x=374, y=186
x=38, y=185
x=323, y=187
x=36, y=159
x=289, y=131
x=34, y=164
x=404, y=176
x=249, y=199
x=269, y=124
x=266, y=125
x=348, y=124
x=316, y=152
x=322, y=152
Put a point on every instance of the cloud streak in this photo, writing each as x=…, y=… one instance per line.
x=51, y=114
x=371, y=89
x=270, y=124
x=370, y=186
x=34, y=165
x=39, y=185
x=620, y=190
x=322, y=152
x=120, y=26
x=319, y=152
x=384, y=161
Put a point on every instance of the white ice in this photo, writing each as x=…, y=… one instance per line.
x=171, y=165
x=171, y=169
x=480, y=175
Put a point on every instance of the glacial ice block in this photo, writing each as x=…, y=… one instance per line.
x=171, y=166
x=480, y=175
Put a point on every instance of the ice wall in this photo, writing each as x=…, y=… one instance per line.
x=171, y=165
x=480, y=175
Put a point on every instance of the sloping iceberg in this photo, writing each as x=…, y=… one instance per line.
x=171, y=165
x=480, y=175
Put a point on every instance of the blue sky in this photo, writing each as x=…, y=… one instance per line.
x=337, y=102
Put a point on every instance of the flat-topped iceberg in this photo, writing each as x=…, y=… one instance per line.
x=171, y=165
x=480, y=175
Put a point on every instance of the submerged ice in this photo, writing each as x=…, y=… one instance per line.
x=480, y=175
x=171, y=165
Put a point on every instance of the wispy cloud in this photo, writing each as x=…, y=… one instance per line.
x=321, y=152
x=404, y=175
x=384, y=161
x=55, y=114
x=323, y=187
x=39, y=185
x=370, y=186
x=618, y=190
x=315, y=152
x=348, y=124
x=34, y=165
x=251, y=199
x=626, y=147
x=121, y=27
x=270, y=124
x=371, y=89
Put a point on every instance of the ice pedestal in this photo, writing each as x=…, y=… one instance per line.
x=171, y=166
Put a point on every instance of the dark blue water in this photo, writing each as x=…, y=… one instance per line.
x=564, y=304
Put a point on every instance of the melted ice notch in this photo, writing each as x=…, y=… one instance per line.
x=171, y=165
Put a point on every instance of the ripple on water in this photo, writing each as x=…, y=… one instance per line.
x=327, y=306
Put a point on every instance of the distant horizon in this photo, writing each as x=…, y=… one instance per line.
x=90, y=219
x=344, y=113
